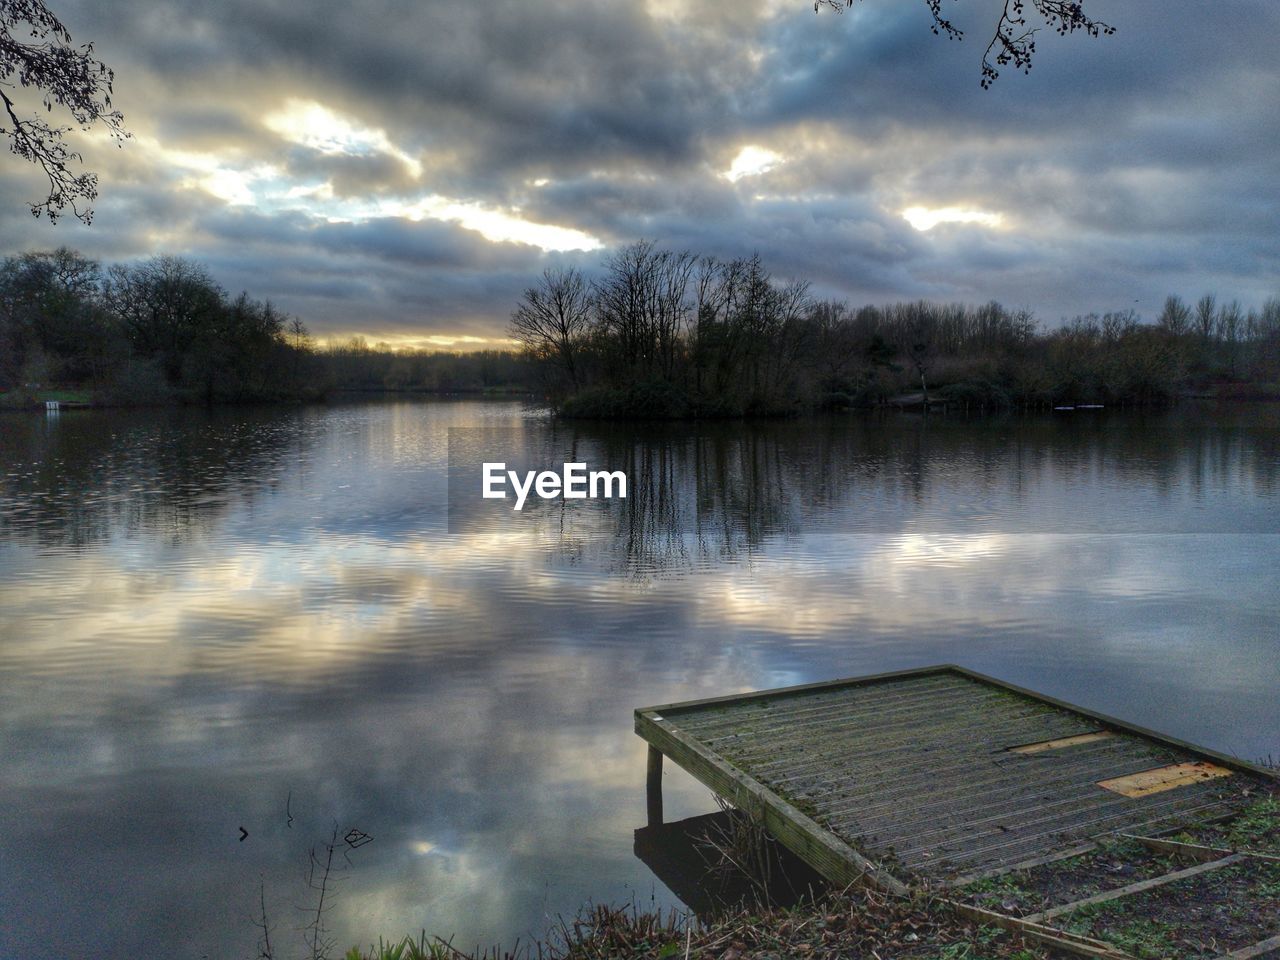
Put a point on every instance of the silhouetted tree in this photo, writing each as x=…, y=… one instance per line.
x=62, y=74
x=1206, y=316
x=1175, y=318
x=553, y=317
x=1013, y=42
x=1229, y=327
x=918, y=326
x=641, y=305
x=164, y=305
x=51, y=317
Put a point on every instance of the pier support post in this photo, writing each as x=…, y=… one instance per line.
x=653, y=787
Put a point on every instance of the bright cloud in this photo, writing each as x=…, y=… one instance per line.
x=752, y=161
x=926, y=218
x=313, y=125
x=499, y=225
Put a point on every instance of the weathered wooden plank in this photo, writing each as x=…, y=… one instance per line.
x=851, y=701
x=896, y=738
x=1063, y=742
x=1049, y=936
x=1085, y=826
x=1192, y=851
x=1039, y=861
x=1195, y=851
x=1164, y=778
x=1006, y=795
x=941, y=731
x=867, y=786
x=1265, y=948
x=957, y=862
x=948, y=671
x=784, y=710
x=1059, y=821
x=748, y=707
x=1138, y=887
x=969, y=822
x=943, y=779
x=875, y=729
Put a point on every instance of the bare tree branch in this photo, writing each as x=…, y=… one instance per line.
x=61, y=74
x=1013, y=42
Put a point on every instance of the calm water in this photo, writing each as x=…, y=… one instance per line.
x=283, y=621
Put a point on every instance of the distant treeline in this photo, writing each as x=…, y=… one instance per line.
x=354, y=365
x=162, y=331
x=658, y=334
x=671, y=334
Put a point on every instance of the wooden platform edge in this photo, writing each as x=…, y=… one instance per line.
x=800, y=688
x=1049, y=936
x=821, y=849
x=1155, y=736
x=1263, y=948
x=1192, y=851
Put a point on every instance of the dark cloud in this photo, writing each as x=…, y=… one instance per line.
x=1124, y=168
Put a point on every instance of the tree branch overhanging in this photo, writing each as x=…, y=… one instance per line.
x=1013, y=42
x=63, y=75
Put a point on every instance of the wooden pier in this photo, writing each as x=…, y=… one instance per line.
x=937, y=776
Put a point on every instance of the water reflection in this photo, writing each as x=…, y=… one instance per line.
x=705, y=862
x=712, y=493
x=210, y=620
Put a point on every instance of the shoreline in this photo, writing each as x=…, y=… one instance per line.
x=907, y=403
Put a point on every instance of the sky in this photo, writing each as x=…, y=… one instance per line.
x=404, y=170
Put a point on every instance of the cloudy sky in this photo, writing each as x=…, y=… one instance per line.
x=403, y=169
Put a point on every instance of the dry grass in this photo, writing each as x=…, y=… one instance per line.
x=855, y=924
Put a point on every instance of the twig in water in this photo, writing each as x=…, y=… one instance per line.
x=264, y=944
x=315, y=930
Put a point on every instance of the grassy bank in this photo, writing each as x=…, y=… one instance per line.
x=1197, y=916
x=858, y=924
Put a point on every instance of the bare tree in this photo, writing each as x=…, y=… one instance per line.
x=1206, y=316
x=553, y=318
x=642, y=303
x=61, y=74
x=1175, y=318
x=1230, y=326
x=1013, y=42
x=832, y=337
x=917, y=327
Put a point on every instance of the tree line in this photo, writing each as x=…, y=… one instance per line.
x=163, y=331
x=655, y=333
x=670, y=333
x=355, y=365
x=151, y=332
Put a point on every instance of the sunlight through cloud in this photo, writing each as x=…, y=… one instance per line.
x=752, y=161
x=498, y=225
x=925, y=218
x=313, y=125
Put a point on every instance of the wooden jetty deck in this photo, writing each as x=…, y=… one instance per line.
x=937, y=775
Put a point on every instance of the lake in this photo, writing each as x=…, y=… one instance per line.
x=289, y=621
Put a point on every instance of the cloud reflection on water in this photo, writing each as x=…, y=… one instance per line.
x=207, y=614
